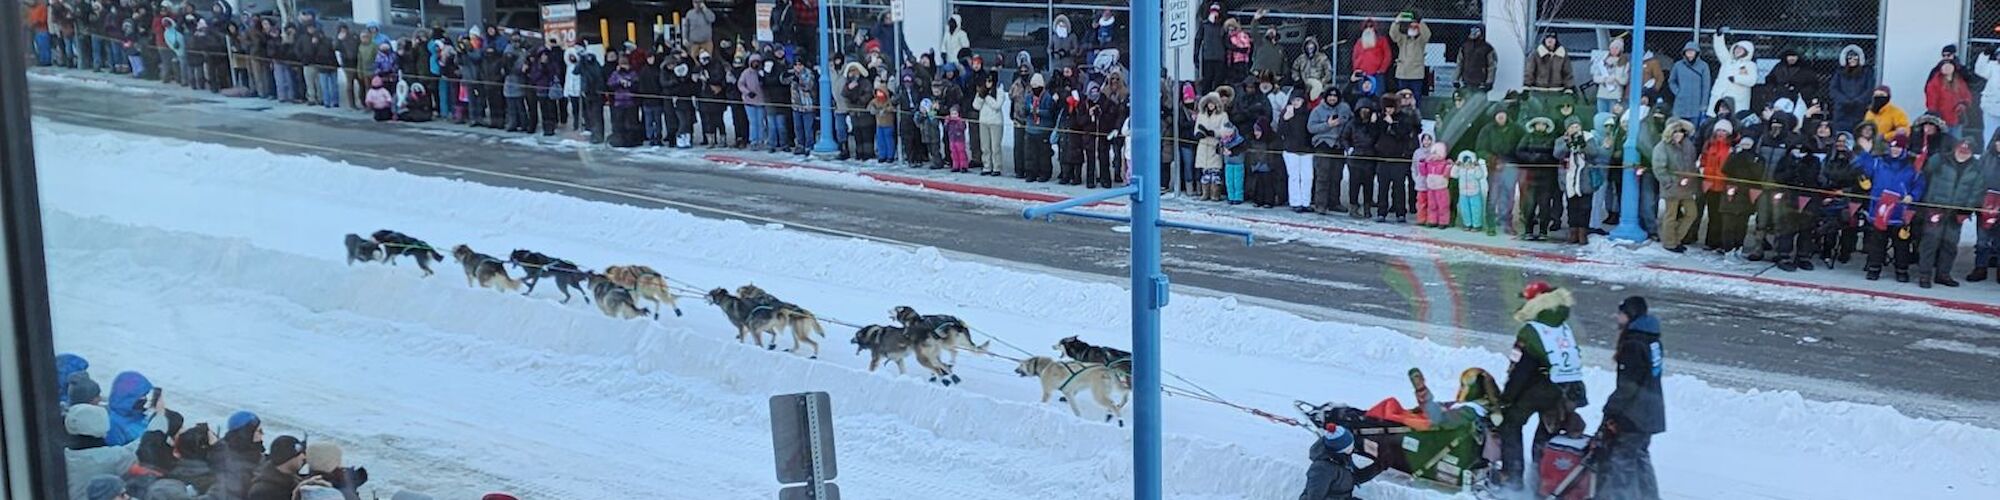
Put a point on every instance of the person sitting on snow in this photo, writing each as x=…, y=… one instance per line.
x=1332, y=475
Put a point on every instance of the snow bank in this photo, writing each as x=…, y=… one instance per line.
x=268, y=224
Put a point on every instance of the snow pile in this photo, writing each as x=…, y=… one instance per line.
x=263, y=229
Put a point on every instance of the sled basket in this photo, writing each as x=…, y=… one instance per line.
x=1447, y=457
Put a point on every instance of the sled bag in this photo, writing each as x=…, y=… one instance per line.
x=1564, y=476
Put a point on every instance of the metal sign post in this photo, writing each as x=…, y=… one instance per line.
x=1149, y=284
x=1628, y=200
x=802, y=443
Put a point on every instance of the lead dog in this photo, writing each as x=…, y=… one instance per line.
x=394, y=244
x=645, y=282
x=614, y=300
x=361, y=249
x=536, y=265
x=802, y=322
x=1071, y=377
x=751, y=320
x=943, y=327
x=483, y=270
x=896, y=344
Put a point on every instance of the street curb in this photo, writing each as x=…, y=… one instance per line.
x=1497, y=251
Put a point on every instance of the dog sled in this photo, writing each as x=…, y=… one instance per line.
x=1453, y=459
x=1456, y=453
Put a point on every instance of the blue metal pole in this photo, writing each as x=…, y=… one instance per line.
x=1628, y=214
x=826, y=145
x=1149, y=286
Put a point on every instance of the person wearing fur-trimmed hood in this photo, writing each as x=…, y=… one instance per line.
x=1850, y=88
x=1545, y=376
x=1549, y=69
x=1738, y=73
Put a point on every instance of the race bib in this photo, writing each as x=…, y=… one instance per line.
x=1565, y=357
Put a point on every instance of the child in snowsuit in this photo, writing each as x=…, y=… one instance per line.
x=954, y=132
x=1433, y=184
x=379, y=100
x=1233, y=150
x=927, y=124
x=885, y=126
x=1470, y=170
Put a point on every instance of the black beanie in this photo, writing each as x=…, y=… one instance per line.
x=1633, y=307
x=285, y=448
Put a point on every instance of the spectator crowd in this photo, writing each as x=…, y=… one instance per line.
x=1794, y=166
x=126, y=444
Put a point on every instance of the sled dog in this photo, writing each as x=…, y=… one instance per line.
x=645, y=282
x=895, y=344
x=751, y=321
x=614, y=300
x=1079, y=350
x=483, y=270
x=536, y=265
x=802, y=322
x=361, y=249
x=955, y=334
x=1071, y=377
x=394, y=244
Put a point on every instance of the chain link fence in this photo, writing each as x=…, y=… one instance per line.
x=1815, y=29
x=1982, y=28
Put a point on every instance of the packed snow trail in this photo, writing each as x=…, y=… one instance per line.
x=189, y=253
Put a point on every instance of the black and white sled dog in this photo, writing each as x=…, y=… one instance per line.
x=361, y=249
x=801, y=321
x=394, y=244
x=751, y=322
x=536, y=266
x=1078, y=350
x=944, y=327
x=484, y=271
x=614, y=300
x=1072, y=377
x=895, y=344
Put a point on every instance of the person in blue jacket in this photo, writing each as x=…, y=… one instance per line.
x=1893, y=182
x=128, y=405
x=67, y=364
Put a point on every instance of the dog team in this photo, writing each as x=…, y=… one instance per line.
x=617, y=289
x=934, y=339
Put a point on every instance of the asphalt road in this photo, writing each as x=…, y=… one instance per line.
x=1847, y=353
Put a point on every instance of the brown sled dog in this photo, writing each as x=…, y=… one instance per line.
x=615, y=301
x=802, y=322
x=483, y=270
x=645, y=283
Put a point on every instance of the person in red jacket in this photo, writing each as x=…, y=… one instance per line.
x=1371, y=53
x=1946, y=93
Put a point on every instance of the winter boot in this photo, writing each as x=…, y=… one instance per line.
x=1874, y=274
x=1803, y=264
x=1903, y=276
x=1978, y=274
x=1945, y=279
x=1786, y=266
x=1923, y=281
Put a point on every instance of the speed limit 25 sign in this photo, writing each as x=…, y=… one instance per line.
x=1178, y=27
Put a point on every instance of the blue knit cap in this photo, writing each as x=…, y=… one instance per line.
x=240, y=419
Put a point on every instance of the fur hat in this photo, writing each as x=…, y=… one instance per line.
x=323, y=455
x=82, y=389
x=87, y=420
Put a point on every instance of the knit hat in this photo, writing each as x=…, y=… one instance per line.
x=285, y=448
x=1037, y=81
x=104, y=487
x=241, y=419
x=87, y=420
x=1949, y=50
x=323, y=455
x=82, y=389
x=1899, y=140
x=1633, y=307
x=1337, y=438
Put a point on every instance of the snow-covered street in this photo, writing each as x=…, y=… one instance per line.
x=218, y=274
